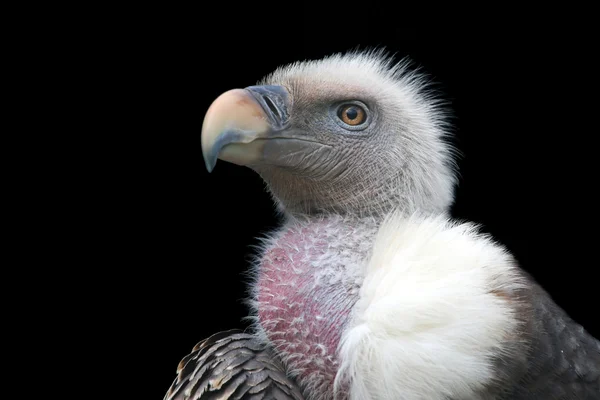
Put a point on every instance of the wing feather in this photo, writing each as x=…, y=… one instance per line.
x=232, y=365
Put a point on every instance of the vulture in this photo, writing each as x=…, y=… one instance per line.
x=369, y=289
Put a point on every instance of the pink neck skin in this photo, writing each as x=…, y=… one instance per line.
x=306, y=293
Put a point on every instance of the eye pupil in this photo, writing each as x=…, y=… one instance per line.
x=352, y=113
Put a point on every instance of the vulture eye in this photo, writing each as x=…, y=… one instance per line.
x=352, y=114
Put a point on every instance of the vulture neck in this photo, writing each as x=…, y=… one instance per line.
x=308, y=281
x=374, y=214
x=300, y=197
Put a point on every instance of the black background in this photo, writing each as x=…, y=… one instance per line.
x=517, y=85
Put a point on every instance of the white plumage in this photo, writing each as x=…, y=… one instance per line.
x=433, y=312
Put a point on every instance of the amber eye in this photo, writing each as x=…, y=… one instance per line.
x=352, y=114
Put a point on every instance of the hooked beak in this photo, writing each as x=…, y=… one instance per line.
x=238, y=122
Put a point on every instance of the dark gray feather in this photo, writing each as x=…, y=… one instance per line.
x=559, y=361
x=232, y=365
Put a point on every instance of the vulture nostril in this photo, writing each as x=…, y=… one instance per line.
x=272, y=106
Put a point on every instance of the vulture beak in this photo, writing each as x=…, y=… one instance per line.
x=240, y=122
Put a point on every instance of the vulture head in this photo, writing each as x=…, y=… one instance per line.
x=350, y=134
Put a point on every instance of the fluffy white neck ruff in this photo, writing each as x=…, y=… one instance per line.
x=437, y=309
